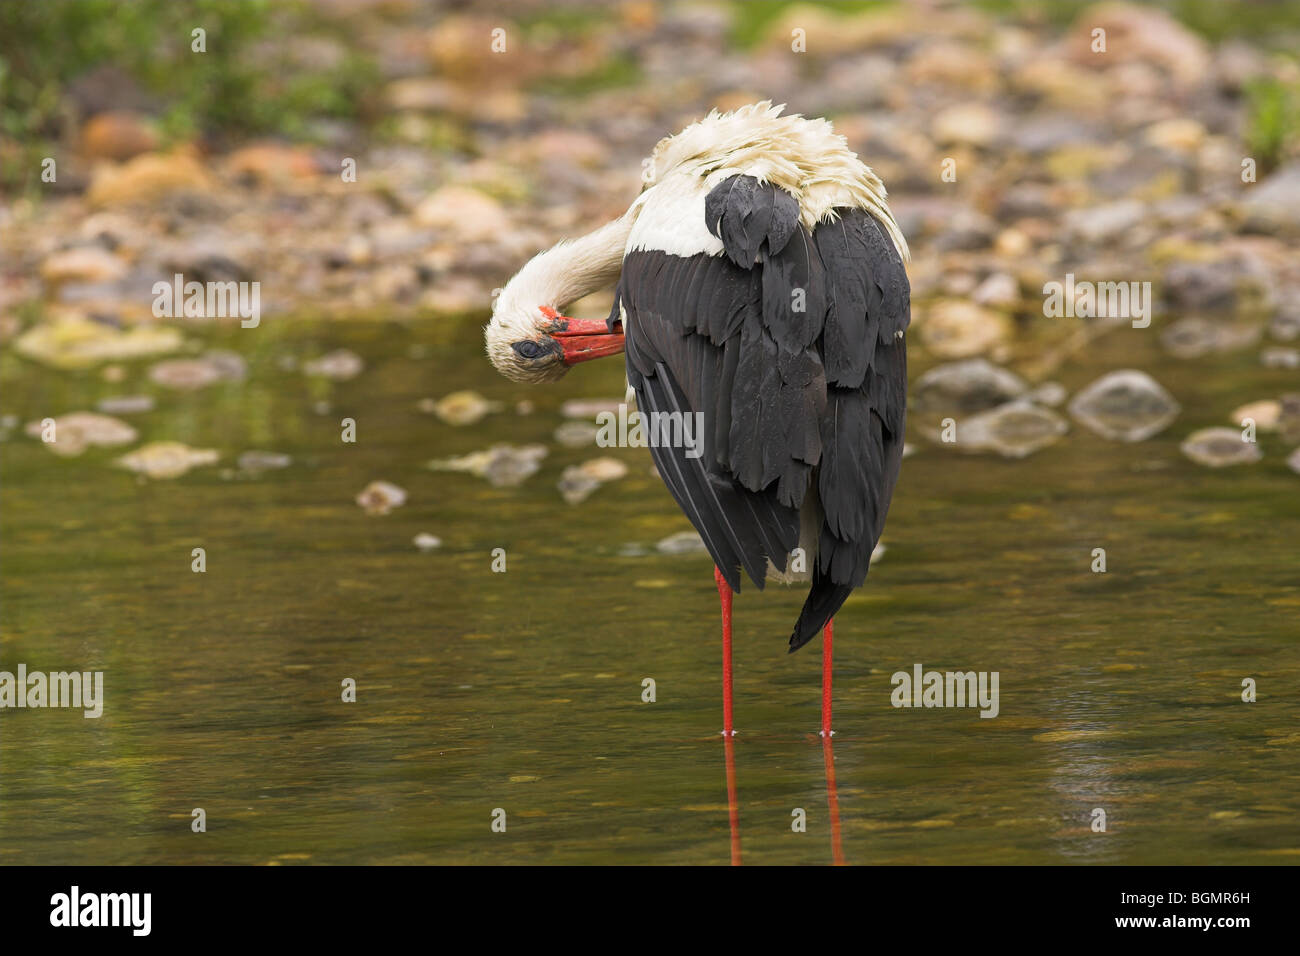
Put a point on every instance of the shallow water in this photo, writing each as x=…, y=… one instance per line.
x=522, y=690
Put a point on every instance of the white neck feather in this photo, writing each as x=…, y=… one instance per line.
x=569, y=270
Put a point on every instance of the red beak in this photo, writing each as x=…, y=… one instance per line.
x=582, y=340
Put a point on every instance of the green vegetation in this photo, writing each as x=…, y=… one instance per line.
x=249, y=82
x=1273, y=121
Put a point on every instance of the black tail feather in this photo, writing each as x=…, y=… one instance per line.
x=825, y=598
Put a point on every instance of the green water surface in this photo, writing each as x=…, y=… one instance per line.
x=523, y=690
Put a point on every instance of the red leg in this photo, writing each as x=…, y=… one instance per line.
x=827, y=635
x=724, y=596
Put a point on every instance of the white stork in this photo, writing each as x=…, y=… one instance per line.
x=760, y=281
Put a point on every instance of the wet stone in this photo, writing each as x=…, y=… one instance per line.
x=461, y=408
x=381, y=497
x=77, y=431
x=684, y=542
x=427, y=542
x=1127, y=405
x=1013, y=430
x=125, y=404
x=339, y=365
x=1220, y=448
x=255, y=462
x=166, y=459
x=972, y=385
x=576, y=434
x=504, y=466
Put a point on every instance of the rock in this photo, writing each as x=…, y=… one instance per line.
x=339, y=365
x=1278, y=357
x=968, y=386
x=381, y=497
x=125, y=404
x=1050, y=394
x=185, y=375
x=1142, y=36
x=75, y=432
x=966, y=124
x=1265, y=414
x=967, y=231
x=956, y=328
x=148, y=177
x=270, y=162
x=118, y=135
x=604, y=469
x=589, y=408
x=427, y=542
x=1126, y=405
x=1285, y=326
x=683, y=542
x=1195, y=336
x=1273, y=206
x=256, y=462
x=464, y=408
x=998, y=289
x=1220, y=447
x=82, y=264
x=1106, y=222
x=465, y=213
x=955, y=65
x=576, y=487
x=1179, y=134
x=579, y=481
x=576, y=434
x=166, y=459
x=1201, y=285
x=877, y=553
x=504, y=466
x=72, y=342
x=1013, y=430
x=1293, y=461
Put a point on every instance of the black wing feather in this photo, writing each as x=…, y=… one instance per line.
x=790, y=345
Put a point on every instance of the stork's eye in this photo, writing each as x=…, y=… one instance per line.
x=529, y=350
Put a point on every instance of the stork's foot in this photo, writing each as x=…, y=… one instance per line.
x=826, y=733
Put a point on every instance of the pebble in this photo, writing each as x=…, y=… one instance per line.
x=125, y=404
x=381, y=497
x=1126, y=405
x=427, y=542
x=971, y=385
x=339, y=365
x=259, y=461
x=74, y=342
x=1220, y=447
x=576, y=434
x=504, y=466
x=462, y=408
x=1013, y=430
x=166, y=459
x=683, y=542
x=1266, y=414
x=77, y=431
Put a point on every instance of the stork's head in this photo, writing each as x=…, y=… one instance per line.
x=535, y=343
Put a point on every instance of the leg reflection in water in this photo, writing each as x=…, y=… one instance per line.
x=832, y=800
x=733, y=805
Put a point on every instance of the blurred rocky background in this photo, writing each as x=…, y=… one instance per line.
x=1014, y=151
